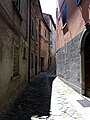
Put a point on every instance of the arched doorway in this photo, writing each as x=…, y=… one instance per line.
x=87, y=65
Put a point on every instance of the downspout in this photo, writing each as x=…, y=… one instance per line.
x=29, y=40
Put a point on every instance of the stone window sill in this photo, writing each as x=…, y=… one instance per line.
x=64, y=26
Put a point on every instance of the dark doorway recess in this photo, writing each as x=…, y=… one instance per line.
x=42, y=64
x=87, y=65
x=35, y=65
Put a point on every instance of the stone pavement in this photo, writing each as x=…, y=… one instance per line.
x=67, y=104
x=33, y=101
x=46, y=98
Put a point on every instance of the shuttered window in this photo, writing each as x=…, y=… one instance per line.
x=17, y=3
x=16, y=61
x=32, y=61
x=24, y=53
x=64, y=13
x=36, y=35
x=78, y=2
x=33, y=29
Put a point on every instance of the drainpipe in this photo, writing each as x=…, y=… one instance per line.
x=29, y=40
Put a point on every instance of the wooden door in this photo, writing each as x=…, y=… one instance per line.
x=87, y=72
x=42, y=64
x=87, y=66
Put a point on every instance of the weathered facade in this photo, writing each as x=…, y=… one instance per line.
x=19, y=38
x=73, y=26
x=36, y=14
x=44, y=34
x=50, y=22
x=13, y=48
x=24, y=46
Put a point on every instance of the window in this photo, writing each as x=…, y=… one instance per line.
x=64, y=13
x=36, y=35
x=78, y=2
x=57, y=13
x=17, y=3
x=33, y=28
x=24, y=53
x=16, y=61
x=32, y=61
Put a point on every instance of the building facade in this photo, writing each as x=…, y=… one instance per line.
x=44, y=34
x=73, y=44
x=50, y=22
x=13, y=48
x=36, y=14
x=19, y=46
x=24, y=46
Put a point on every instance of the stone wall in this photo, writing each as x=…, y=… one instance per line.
x=68, y=61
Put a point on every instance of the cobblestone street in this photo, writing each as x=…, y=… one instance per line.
x=33, y=101
x=47, y=98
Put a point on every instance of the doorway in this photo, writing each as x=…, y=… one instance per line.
x=35, y=65
x=87, y=65
x=42, y=64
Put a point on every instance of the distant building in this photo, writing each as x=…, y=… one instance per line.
x=73, y=44
x=44, y=34
x=50, y=22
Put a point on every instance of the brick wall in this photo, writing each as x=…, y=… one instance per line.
x=68, y=62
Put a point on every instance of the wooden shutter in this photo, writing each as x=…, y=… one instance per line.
x=64, y=13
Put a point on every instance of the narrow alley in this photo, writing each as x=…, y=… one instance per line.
x=48, y=98
x=44, y=59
